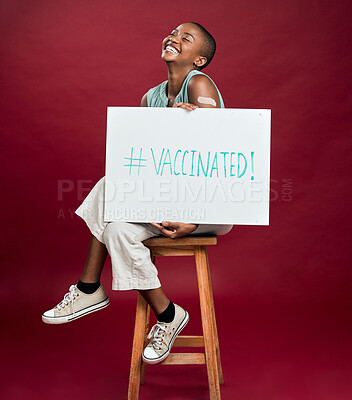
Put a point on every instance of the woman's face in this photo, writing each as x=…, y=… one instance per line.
x=183, y=45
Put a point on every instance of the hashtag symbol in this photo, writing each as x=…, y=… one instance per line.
x=137, y=160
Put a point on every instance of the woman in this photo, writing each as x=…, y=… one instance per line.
x=186, y=50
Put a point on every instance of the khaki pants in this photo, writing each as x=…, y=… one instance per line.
x=132, y=267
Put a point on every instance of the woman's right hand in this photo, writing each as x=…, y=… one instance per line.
x=186, y=106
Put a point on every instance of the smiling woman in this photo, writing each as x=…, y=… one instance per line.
x=186, y=51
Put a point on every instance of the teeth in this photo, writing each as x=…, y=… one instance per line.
x=170, y=48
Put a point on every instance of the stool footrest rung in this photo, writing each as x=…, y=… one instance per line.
x=184, y=358
x=189, y=341
x=172, y=251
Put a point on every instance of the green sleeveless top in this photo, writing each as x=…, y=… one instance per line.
x=157, y=96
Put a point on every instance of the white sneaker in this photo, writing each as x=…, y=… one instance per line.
x=163, y=336
x=76, y=304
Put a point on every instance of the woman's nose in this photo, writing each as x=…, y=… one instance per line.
x=173, y=38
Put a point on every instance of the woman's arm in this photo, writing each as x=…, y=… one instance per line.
x=201, y=93
x=144, y=102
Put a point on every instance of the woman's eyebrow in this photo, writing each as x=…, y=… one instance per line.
x=184, y=32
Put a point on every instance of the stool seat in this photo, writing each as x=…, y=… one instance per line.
x=185, y=246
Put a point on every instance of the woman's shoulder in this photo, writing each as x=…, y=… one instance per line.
x=199, y=82
x=156, y=95
x=200, y=78
x=158, y=88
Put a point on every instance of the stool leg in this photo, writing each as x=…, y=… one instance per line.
x=221, y=377
x=146, y=329
x=137, y=348
x=207, y=322
x=145, y=343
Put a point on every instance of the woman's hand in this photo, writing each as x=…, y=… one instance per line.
x=175, y=229
x=186, y=106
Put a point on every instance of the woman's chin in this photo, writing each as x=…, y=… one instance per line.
x=166, y=56
x=166, y=59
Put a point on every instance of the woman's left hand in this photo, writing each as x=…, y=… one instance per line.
x=186, y=106
x=175, y=229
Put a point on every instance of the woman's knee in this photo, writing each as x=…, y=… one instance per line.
x=121, y=231
x=116, y=230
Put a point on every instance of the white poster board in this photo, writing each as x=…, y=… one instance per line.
x=207, y=166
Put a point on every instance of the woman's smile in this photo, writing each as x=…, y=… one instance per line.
x=169, y=46
x=172, y=49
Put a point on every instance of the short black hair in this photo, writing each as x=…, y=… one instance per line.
x=209, y=46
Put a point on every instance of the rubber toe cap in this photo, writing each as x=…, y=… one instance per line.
x=49, y=314
x=150, y=354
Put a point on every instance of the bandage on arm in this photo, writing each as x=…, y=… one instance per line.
x=206, y=100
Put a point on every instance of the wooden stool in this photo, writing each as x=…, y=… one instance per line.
x=185, y=246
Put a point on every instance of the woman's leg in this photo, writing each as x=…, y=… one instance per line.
x=88, y=295
x=156, y=298
x=93, y=268
x=132, y=267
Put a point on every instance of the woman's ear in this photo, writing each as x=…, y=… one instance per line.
x=200, y=61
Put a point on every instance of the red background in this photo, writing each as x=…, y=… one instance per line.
x=282, y=293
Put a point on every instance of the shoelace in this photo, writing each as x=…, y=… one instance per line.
x=157, y=333
x=68, y=298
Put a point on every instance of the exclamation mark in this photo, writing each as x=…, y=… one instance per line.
x=252, y=164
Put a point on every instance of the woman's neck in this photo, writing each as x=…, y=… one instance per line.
x=175, y=78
